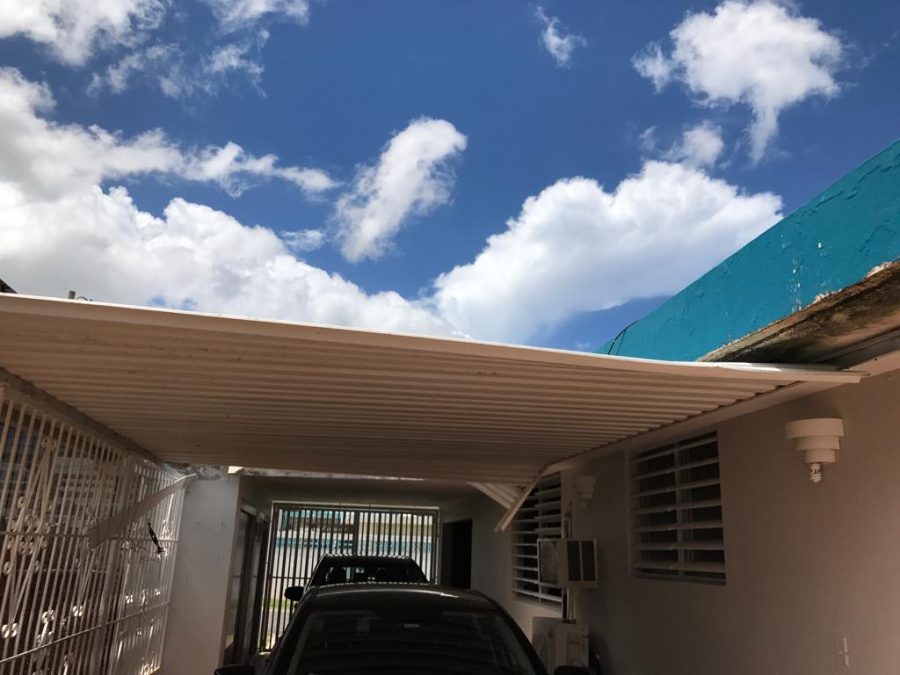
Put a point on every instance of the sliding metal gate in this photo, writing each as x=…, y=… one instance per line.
x=84, y=585
x=302, y=533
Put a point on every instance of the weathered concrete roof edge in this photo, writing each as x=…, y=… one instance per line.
x=833, y=241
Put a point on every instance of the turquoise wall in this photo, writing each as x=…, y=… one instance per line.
x=829, y=243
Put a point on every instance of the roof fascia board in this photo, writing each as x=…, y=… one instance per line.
x=181, y=320
x=691, y=426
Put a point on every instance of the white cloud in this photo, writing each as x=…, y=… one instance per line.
x=651, y=63
x=412, y=177
x=303, y=241
x=559, y=44
x=238, y=14
x=647, y=140
x=233, y=58
x=699, y=146
x=234, y=170
x=60, y=230
x=573, y=248
x=179, y=75
x=73, y=29
x=49, y=160
x=195, y=257
x=159, y=59
x=758, y=53
x=576, y=247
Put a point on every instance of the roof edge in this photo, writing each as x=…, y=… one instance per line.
x=56, y=308
x=833, y=322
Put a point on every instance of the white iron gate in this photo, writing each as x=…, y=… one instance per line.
x=301, y=534
x=89, y=532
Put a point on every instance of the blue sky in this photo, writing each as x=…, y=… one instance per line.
x=485, y=105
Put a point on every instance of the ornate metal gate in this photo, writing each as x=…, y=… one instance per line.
x=89, y=532
x=301, y=534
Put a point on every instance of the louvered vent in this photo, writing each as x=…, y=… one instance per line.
x=676, y=503
x=539, y=518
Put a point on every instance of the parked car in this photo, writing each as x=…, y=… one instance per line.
x=400, y=630
x=357, y=569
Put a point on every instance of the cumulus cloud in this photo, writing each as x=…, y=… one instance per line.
x=60, y=229
x=558, y=43
x=412, y=177
x=192, y=257
x=238, y=14
x=73, y=29
x=699, y=146
x=758, y=53
x=577, y=247
x=47, y=159
x=573, y=248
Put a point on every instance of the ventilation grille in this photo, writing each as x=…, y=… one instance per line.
x=539, y=518
x=676, y=506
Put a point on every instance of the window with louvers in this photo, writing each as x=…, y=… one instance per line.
x=539, y=518
x=676, y=506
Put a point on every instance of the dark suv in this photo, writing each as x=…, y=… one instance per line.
x=360, y=569
x=394, y=629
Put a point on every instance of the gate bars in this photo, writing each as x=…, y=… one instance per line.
x=301, y=534
x=89, y=535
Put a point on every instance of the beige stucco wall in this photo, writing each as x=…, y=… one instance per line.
x=806, y=564
x=491, y=566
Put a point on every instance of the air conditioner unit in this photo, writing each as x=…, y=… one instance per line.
x=568, y=563
x=559, y=643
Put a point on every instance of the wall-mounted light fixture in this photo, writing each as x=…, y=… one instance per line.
x=818, y=439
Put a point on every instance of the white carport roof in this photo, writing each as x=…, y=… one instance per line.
x=195, y=388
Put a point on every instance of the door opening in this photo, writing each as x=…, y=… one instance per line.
x=456, y=554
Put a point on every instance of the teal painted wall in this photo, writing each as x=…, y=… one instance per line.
x=829, y=243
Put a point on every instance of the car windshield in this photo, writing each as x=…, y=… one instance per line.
x=406, y=639
x=362, y=571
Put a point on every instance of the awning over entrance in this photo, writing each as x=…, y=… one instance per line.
x=194, y=388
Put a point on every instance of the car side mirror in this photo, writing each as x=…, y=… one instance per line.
x=241, y=669
x=571, y=670
x=293, y=593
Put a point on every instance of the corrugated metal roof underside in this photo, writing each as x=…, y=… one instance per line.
x=201, y=389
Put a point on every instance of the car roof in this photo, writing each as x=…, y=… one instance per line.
x=330, y=557
x=356, y=596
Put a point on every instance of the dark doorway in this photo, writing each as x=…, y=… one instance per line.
x=456, y=554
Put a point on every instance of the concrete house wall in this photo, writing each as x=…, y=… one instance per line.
x=806, y=564
x=198, y=623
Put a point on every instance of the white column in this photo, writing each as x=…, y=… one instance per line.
x=195, y=627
